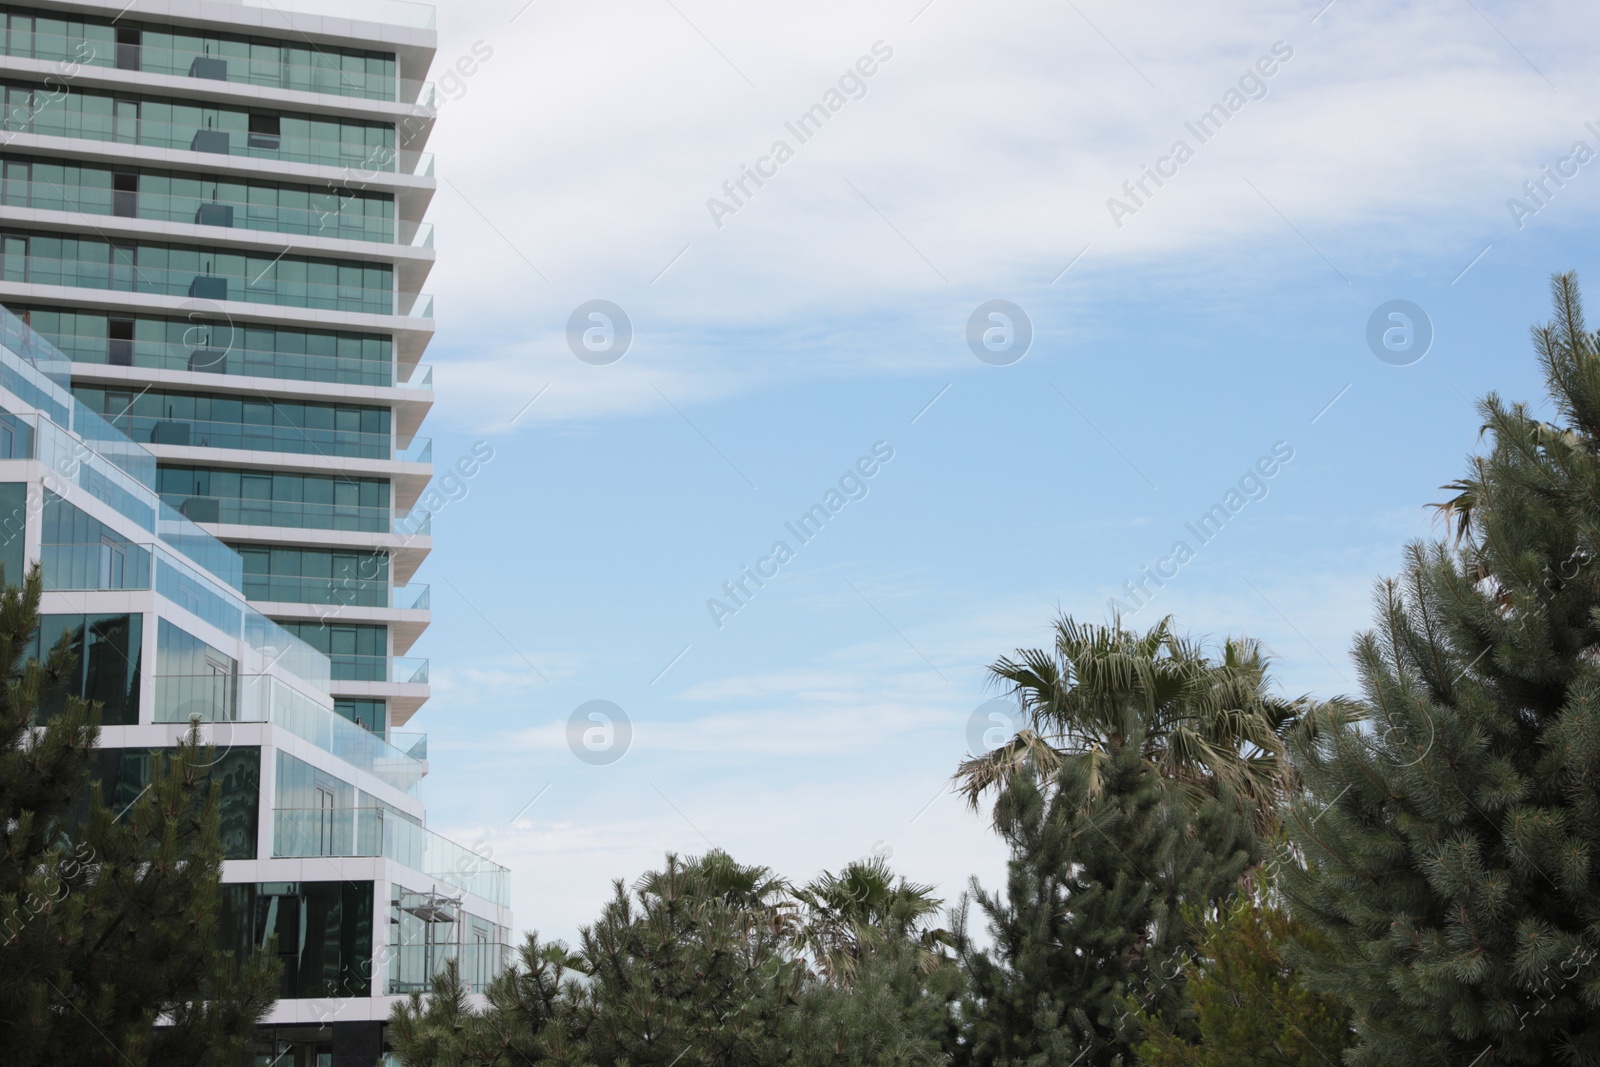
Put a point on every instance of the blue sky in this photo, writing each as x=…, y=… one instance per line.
x=1225, y=316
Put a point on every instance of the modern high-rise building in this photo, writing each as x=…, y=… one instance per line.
x=212, y=252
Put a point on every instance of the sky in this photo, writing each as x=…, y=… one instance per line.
x=1337, y=256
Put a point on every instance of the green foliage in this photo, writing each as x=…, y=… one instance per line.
x=1247, y=1006
x=710, y=962
x=1452, y=841
x=107, y=919
x=896, y=1011
x=689, y=968
x=1092, y=919
x=845, y=913
x=1207, y=721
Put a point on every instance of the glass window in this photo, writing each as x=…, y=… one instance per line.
x=323, y=931
x=123, y=774
x=107, y=650
x=193, y=679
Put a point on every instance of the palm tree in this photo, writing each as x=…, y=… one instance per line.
x=848, y=913
x=1209, y=725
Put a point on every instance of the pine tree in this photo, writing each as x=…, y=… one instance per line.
x=108, y=919
x=896, y=1009
x=1091, y=925
x=534, y=1016
x=1249, y=1008
x=1452, y=842
x=691, y=968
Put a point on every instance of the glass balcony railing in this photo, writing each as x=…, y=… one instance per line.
x=413, y=597
x=301, y=68
x=420, y=450
x=132, y=277
x=233, y=359
x=233, y=511
x=421, y=378
x=329, y=221
x=265, y=698
x=414, y=745
x=81, y=447
x=408, y=670
x=401, y=670
x=122, y=566
x=296, y=589
x=416, y=234
x=106, y=565
x=301, y=440
x=353, y=668
x=369, y=830
x=355, y=156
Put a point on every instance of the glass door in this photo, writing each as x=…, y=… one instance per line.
x=113, y=564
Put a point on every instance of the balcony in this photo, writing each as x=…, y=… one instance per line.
x=126, y=275
x=302, y=440
x=400, y=670
x=301, y=833
x=101, y=566
x=233, y=511
x=122, y=566
x=333, y=223
x=235, y=61
x=264, y=698
x=297, y=589
x=420, y=450
x=227, y=354
x=415, y=234
x=421, y=378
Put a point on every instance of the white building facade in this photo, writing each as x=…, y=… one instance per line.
x=212, y=255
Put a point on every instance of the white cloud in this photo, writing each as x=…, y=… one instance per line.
x=991, y=142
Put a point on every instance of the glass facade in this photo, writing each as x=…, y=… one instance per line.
x=126, y=44
x=80, y=552
x=323, y=931
x=146, y=132
x=123, y=774
x=372, y=714
x=108, y=651
x=277, y=498
x=427, y=930
x=216, y=346
x=168, y=197
x=193, y=679
x=204, y=420
x=315, y=575
x=175, y=270
x=358, y=652
x=137, y=119
x=13, y=514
